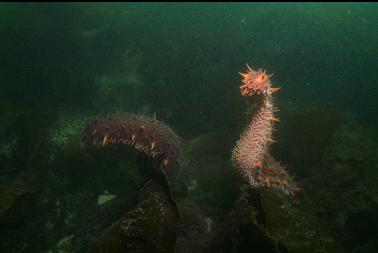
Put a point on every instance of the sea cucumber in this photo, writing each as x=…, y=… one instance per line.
x=251, y=153
x=143, y=133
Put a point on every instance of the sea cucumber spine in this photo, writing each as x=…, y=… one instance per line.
x=251, y=153
x=145, y=134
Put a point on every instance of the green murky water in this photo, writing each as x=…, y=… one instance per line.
x=62, y=65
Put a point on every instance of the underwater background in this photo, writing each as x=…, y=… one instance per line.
x=63, y=65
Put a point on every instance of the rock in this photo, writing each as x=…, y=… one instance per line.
x=150, y=226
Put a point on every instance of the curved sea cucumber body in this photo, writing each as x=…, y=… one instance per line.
x=251, y=153
x=143, y=133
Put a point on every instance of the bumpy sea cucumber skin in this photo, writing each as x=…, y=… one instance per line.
x=253, y=144
x=251, y=153
x=145, y=134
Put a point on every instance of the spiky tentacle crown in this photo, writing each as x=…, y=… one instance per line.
x=145, y=134
x=251, y=154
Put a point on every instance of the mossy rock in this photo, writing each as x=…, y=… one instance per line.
x=294, y=226
x=150, y=227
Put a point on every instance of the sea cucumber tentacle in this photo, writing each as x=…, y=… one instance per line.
x=251, y=153
x=145, y=134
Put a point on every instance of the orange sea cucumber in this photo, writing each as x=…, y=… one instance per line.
x=251, y=153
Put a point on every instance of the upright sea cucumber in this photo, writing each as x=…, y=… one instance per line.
x=251, y=154
x=143, y=133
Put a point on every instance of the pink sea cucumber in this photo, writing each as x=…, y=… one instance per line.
x=251, y=153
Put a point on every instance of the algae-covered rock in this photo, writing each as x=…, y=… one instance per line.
x=294, y=226
x=150, y=226
x=195, y=230
x=242, y=230
x=213, y=143
x=346, y=187
x=67, y=128
x=211, y=180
